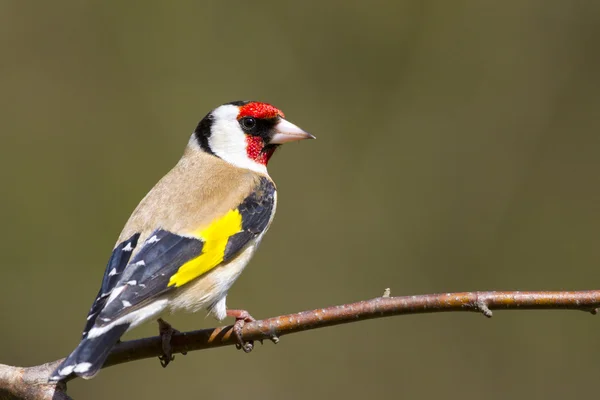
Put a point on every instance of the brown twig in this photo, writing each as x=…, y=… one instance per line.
x=30, y=383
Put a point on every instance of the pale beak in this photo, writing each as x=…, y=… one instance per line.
x=287, y=132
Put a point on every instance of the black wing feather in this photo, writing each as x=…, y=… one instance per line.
x=116, y=265
x=256, y=211
x=161, y=259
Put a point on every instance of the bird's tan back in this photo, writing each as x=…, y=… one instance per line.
x=197, y=190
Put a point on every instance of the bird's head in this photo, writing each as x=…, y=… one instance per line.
x=246, y=133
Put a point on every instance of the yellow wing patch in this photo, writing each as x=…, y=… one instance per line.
x=215, y=239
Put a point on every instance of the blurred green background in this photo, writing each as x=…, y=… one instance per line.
x=458, y=149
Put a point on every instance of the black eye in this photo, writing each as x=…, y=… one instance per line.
x=248, y=122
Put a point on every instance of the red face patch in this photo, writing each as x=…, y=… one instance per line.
x=254, y=149
x=259, y=110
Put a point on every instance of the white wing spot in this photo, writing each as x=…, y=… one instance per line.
x=82, y=367
x=91, y=316
x=126, y=303
x=153, y=239
x=66, y=370
x=129, y=247
x=105, y=319
x=140, y=263
x=114, y=293
x=112, y=272
x=132, y=283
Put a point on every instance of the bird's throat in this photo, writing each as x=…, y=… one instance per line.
x=257, y=151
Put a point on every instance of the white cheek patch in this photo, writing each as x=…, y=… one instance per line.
x=228, y=141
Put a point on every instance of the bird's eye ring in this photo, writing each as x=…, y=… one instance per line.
x=248, y=122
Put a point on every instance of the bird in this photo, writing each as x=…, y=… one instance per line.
x=192, y=235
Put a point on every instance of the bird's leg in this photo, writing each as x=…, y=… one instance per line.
x=241, y=317
x=166, y=331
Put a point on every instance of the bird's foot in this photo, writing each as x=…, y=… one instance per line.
x=241, y=317
x=166, y=332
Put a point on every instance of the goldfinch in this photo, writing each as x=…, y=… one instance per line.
x=192, y=235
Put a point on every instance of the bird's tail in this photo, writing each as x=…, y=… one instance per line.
x=89, y=356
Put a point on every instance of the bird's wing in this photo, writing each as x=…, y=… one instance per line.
x=168, y=260
x=116, y=265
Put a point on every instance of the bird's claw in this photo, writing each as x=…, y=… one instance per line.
x=241, y=317
x=273, y=338
x=166, y=332
x=165, y=360
x=247, y=346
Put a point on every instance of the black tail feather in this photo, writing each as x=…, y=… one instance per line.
x=89, y=356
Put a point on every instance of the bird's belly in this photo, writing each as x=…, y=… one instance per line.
x=211, y=288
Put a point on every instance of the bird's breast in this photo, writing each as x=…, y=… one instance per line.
x=210, y=288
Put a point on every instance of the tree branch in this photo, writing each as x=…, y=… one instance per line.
x=31, y=383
